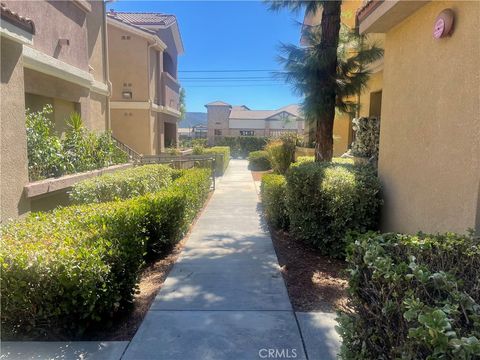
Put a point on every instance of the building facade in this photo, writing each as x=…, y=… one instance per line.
x=143, y=50
x=429, y=161
x=52, y=53
x=226, y=120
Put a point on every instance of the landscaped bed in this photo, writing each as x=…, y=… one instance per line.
x=69, y=271
x=314, y=282
x=124, y=326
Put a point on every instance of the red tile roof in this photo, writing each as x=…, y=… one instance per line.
x=367, y=8
x=114, y=17
x=144, y=18
x=19, y=21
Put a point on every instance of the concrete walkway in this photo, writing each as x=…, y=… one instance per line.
x=225, y=298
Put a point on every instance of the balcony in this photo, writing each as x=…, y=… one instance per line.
x=170, y=92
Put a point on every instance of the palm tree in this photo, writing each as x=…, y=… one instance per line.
x=327, y=72
x=319, y=104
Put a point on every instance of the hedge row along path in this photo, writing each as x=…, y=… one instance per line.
x=225, y=297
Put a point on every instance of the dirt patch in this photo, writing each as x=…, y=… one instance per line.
x=257, y=175
x=123, y=327
x=314, y=282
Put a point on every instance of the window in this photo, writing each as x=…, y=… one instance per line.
x=247, y=133
x=218, y=132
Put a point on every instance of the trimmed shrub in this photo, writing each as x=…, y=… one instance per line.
x=222, y=158
x=241, y=146
x=66, y=270
x=413, y=297
x=122, y=184
x=272, y=190
x=258, y=161
x=327, y=200
x=337, y=160
x=281, y=152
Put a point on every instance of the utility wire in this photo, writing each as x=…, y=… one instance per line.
x=241, y=85
x=225, y=71
x=229, y=78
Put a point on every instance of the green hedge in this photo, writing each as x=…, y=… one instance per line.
x=67, y=270
x=272, y=190
x=258, y=161
x=122, y=184
x=327, y=200
x=413, y=297
x=241, y=146
x=222, y=158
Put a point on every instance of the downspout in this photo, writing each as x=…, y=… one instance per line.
x=106, y=68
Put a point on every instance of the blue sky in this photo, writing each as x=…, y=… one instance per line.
x=229, y=35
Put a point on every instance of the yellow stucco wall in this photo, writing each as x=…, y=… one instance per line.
x=13, y=139
x=341, y=134
x=375, y=83
x=430, y=132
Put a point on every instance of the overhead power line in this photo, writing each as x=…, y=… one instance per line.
x=227, y=71
x=233, y=86
x=230, y=78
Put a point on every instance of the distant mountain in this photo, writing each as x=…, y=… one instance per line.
x=192, y=119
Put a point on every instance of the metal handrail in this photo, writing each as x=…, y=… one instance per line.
x=133, y=155
x=173, y=161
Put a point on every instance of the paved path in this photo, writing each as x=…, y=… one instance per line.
x=224, y=299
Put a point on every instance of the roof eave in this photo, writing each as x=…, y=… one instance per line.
x=137, y=31
x=379, y=16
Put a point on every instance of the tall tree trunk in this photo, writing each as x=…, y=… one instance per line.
x=328, y=44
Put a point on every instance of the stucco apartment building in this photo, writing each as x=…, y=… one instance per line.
x=52, y=52
x=226, y=120
x=143, y=50
x=429, y=161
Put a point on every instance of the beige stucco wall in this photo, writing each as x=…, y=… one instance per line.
x=217, y=118
x=96, y=42
x=128, y=64
x=134, y=128
x=13, y=140
x=56, y=20
x=430, y=133
x=97, y=112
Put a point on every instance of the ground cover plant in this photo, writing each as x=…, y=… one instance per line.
x=413, y=297
x=66, y=270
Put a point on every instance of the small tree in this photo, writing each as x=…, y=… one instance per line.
x=327, y=72
x=182, y=105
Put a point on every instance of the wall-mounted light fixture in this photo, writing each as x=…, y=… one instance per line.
x=444, y=22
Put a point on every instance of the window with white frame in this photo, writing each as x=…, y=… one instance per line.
x=247, y=133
